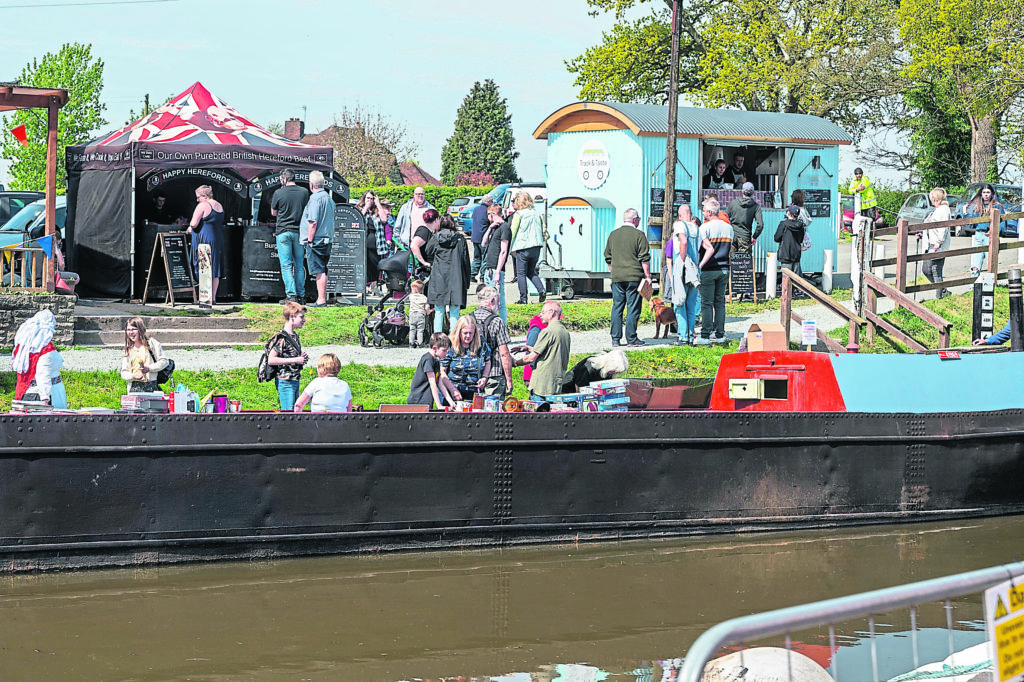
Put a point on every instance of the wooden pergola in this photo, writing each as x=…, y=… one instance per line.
x=14, y=96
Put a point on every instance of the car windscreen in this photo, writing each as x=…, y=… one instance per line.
x=24, y=218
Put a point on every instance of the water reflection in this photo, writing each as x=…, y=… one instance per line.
x=584, y=612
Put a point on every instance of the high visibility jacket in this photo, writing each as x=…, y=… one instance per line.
x=867, y=195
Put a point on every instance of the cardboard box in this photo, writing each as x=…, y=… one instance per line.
x=766, y=336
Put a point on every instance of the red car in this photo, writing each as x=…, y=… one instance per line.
x=847, y=203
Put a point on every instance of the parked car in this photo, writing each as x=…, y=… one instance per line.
x=1009, y=197
x=846, y=201
x=19, y=229
x=502, y=195
x=459, y=203
x=916, y=208
x=11, y=202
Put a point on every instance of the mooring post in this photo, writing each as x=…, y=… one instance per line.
x=1016, y=311
x=771, y=274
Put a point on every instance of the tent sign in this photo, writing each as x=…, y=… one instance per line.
x=1004, y=620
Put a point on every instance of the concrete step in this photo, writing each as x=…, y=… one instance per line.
x=159, y=323
x=172, y=338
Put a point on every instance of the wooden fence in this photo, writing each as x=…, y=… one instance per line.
x=28, y=270
x=789, y=280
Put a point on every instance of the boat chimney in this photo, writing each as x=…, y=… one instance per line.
x=1016, y=311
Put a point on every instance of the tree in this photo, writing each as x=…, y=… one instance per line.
x=367, y=146
x=483, y=139
x=832, y=60
x=75, y=70
x=975, y=45
x=940, y=136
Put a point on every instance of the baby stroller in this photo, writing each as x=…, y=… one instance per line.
x=387, y=321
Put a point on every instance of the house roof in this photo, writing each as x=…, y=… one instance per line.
x=729, y=124
x=412, y=174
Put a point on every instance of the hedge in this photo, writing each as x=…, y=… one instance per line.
x=441, y=197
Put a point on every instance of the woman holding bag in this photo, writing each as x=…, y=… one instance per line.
x=143, y=358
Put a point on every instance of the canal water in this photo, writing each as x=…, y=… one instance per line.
x=620, y=611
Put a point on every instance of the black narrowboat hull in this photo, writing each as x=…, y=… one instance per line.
x=117, y=490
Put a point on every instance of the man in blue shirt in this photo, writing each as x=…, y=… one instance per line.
x=480, y=224
x=318, y=219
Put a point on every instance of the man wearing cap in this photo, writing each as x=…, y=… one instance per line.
x=743, y=212
x=862, y=185
x=480, y=223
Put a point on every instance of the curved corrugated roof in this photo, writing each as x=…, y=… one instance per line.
x=652, y=119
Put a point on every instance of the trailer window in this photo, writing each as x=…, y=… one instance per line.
x=776, y=389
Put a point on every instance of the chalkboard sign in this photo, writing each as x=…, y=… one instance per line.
x=176, y=274
x=741, y=274
x=261, y=269
x=346, y=270
x=657, y=205
x=818, y=196
x=819, y=210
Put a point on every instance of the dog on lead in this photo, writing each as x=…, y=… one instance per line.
x=663, y=315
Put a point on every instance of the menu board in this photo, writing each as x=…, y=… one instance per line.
x=657, y=205
x=346, y=270
x=819, y=210
x=176, y=274
x=817, y=196
x=261, y=267
x=741, y=274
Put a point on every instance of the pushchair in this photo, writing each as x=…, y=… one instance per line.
x=386, y=321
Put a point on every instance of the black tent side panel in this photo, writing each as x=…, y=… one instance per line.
x=99, y=231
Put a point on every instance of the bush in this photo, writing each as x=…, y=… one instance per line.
x=440, y=196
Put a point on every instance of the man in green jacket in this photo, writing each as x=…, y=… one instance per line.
x=862, y=185
x=629, y=256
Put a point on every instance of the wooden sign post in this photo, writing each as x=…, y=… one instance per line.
x=177, y=270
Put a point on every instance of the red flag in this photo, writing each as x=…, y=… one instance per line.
x=20, y=133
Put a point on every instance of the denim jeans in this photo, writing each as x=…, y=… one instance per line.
x=978, y=260
x=686, y=314
x=288, y=393
x=453, y=317
x=290, y=252
x=526, y=269
x=626, y=297
x=713, y=284
x=488, y=277
x=478, y=257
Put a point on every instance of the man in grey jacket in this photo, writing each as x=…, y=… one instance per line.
x=743, y=212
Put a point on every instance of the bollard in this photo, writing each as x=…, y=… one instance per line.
x=984, y=304
x=771, y=274
x=1016, y=311
x=826, y=272
x=879, y=255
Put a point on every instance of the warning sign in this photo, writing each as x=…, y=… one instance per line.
x=1004, y=616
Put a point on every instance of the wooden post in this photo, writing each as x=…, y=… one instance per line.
x=51, y=187
x=786, y=302
x=902, y=238
x=668, y=212
x=993, y=244
x=872, y=306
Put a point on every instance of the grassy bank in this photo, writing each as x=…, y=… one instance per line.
x=371, y=385
x=958, y=310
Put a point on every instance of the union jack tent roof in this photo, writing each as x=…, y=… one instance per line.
x=200, y=130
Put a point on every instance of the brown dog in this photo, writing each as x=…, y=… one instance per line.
x=663, y=315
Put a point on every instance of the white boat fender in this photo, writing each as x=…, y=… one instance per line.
x=764, y=664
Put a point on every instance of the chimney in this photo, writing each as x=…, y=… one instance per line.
x=294, y=129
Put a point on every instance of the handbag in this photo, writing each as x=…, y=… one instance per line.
x=805, y=245
x=164, y=375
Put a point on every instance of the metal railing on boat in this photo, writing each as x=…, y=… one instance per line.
x=785, y=621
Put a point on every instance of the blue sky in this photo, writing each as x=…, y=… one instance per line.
x=413, y=61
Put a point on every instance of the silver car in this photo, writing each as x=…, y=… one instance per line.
x=916, y=208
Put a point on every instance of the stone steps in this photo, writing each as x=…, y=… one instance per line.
x=209, y=331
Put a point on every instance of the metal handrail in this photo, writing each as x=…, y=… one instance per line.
x=755, y=626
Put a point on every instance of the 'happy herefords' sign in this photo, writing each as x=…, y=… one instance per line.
x=235, y=184
x=593, y=164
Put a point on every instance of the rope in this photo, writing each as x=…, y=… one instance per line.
x=946, y=671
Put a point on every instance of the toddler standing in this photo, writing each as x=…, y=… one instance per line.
x=418, y=309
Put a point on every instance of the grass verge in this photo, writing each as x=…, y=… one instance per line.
x=371, y=385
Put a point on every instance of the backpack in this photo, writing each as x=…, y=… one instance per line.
x=486, y=346
x=264, y=370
